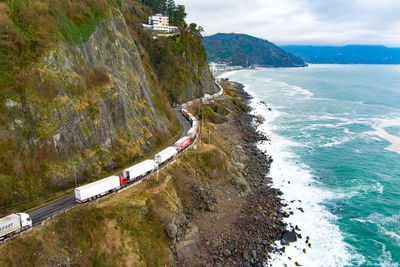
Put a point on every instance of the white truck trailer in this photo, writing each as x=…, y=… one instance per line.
x=194, y=123
x=135, y=172
x=165, y=155
x=192, y=133
x=191, y=118
x=97, y=189
x=13, y=224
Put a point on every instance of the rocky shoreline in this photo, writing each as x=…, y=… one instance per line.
x=243, y=216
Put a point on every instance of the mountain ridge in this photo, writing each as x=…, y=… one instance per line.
x=246, y=50
x=349, y=54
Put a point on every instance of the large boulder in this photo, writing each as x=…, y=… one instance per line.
x=288, y=236
x=172, y=230
x=192, y=233
x=241, y=184
x=185, y=249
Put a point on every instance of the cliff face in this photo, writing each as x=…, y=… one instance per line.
x=95, y=104
x=182, y=67
x=201, y=83
x=123, y=101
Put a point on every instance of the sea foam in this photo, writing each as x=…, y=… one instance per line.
x=300, y=190
x=380, y=124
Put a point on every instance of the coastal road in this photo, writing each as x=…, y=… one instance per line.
x=47, y=211
x=184, y=122
x=43, y=213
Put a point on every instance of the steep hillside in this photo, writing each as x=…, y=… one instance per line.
x=350, y=54
x=245, y=50
x=83, y=85
x=203, y=209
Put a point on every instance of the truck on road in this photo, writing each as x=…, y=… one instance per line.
x=99, y=188
x=13, y=224
x=135, y=172
x=165, y=155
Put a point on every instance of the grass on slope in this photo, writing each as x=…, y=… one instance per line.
x=126, y=229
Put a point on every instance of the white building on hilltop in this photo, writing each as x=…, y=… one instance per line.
x=159, y=23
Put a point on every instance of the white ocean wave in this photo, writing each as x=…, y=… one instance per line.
x=337, y=141
x=387, y=225
x=379, y=187
x=295, y=180
x=302, y=90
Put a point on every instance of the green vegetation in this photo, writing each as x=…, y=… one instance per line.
x=127, y=229
x=207, y=158
x=245, y=50
x=177, y=60
x=175, y=12
x=29, y=28
x=50, y=91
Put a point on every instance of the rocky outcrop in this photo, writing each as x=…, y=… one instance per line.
x=172, y=230
x=201, y=84
x=184, y=234
x=185, y=249
x=89, y=103
x=124, y=102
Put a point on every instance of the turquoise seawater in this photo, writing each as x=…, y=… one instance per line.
x=335, y=133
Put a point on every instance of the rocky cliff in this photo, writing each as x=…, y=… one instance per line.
x=93, y=103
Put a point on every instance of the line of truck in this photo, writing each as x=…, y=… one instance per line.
x=136, y=173
x=18, y=222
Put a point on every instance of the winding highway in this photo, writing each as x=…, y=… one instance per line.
x=45, y=212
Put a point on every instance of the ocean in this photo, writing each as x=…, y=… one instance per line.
x=335, y=141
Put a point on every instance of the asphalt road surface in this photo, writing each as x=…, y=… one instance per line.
x=43, y=213
x=184, y=122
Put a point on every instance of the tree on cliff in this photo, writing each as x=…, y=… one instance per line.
x=176, y=13
x=178, y=16
x=196, y=31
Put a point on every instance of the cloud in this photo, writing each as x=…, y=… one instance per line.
x=330, y=22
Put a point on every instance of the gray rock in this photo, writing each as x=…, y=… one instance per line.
x=227, y=252
x=253, y=253
x=192, y=233
x=185, y=249
x=171, y=230
x=288, y=236
x=240, y=184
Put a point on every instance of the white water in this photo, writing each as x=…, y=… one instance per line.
x=327, y=246
x=294, y=178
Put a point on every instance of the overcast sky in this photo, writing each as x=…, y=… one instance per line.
x=317, y=22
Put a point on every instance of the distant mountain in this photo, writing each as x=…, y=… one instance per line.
x=245, y=50
x=350, y=54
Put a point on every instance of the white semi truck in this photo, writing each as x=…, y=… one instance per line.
x=139, y=170
x=165, y=155
x=99, y=188
x=13, y=224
